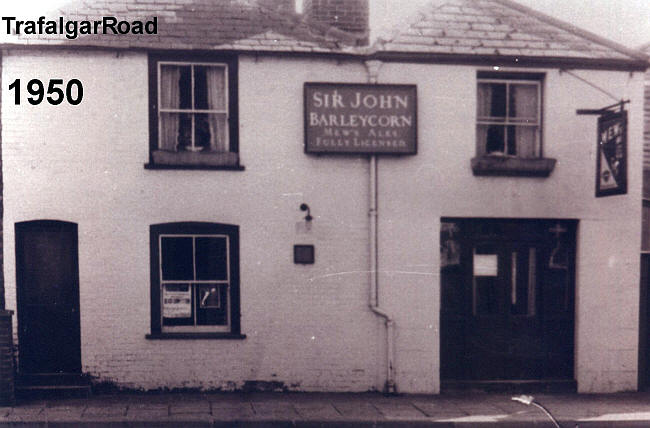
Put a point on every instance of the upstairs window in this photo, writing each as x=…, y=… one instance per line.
x=509, y=125
x=509, y=118
x=193, y=118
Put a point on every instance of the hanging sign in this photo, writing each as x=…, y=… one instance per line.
x=611, y=163
x=360, y=118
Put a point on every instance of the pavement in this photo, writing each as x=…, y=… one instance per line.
x=329, y=410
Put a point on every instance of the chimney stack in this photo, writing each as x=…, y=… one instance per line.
x=279, y=5
x=348, y=15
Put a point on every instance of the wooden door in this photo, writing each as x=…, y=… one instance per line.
x=47, y=276
x=507, y=301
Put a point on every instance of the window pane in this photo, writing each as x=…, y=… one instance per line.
x=491, y=138
x=212, y=308
x=177, y=262
x=525, y=141
x=210, y=132
x=184, y=132
x=175, y=86
x=185, y=87
x=211, y=259
x=511, y=138
x=177, y=304
x=209, y=296
x=491, y=100
x=523, y=102
x=169, y=129
x=209, y=88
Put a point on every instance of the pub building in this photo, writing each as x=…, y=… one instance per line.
x=259, y=198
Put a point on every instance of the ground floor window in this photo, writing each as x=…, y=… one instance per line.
x=194, y=278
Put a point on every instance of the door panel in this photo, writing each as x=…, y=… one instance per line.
x=48, y=297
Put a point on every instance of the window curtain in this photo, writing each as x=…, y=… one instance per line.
x=526, y=138
x=217, y=101
x=169, y=99
x=523, y=107
x=524, y=102
x=484, y=100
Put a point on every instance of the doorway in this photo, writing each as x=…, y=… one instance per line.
x=507, y=312
x=47, y=280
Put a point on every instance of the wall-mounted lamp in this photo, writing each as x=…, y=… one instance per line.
x=305, y=207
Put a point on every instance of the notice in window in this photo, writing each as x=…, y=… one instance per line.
x=177, y=301
x=485, y=265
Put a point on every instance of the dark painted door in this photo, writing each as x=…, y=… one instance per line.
x=47, y=276
x=507, y=300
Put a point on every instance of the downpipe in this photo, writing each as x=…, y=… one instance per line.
x=390, y=386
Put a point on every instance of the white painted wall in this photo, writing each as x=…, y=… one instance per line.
x=438, y=182
x=309, y=326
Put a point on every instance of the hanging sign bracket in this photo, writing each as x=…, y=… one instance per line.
x=604, y=110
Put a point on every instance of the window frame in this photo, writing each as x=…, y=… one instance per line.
x=194, y=229
x=230, y=62
x=508, y=120
x=484, y=164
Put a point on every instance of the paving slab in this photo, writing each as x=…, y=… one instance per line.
x=274, y=410
x=399, y=410
x=67, y=413
x=324, y=411
x=357, y=410
x=189, y=407
x=434, y=409
x=230, y=411
x=147, y=411
x=105, y=411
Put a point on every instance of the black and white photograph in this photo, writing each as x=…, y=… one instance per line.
x=325, y=213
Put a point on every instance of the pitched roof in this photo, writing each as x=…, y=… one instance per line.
x=477, y=29
x=498, y=28
x=198, y=24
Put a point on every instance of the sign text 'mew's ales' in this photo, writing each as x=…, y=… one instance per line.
x=360, y=118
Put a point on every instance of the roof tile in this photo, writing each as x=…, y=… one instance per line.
x=503, y=28
x=480, y=27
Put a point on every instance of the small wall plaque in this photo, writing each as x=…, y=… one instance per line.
x=303, y=254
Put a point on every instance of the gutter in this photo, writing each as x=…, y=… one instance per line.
x=390, y=387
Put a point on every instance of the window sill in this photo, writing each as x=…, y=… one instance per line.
x=512, y=166
x=161, y=159
x=193, y=336
x=200, y=167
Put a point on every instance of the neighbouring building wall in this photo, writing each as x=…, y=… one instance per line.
x=309, y=327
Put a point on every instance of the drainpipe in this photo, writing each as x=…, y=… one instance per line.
x=373, y=67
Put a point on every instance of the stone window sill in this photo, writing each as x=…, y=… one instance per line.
x=512, y=166
x=192, y=336
x=161, y=159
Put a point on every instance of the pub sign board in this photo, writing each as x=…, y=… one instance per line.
x=351, y=118
x=611, y=163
